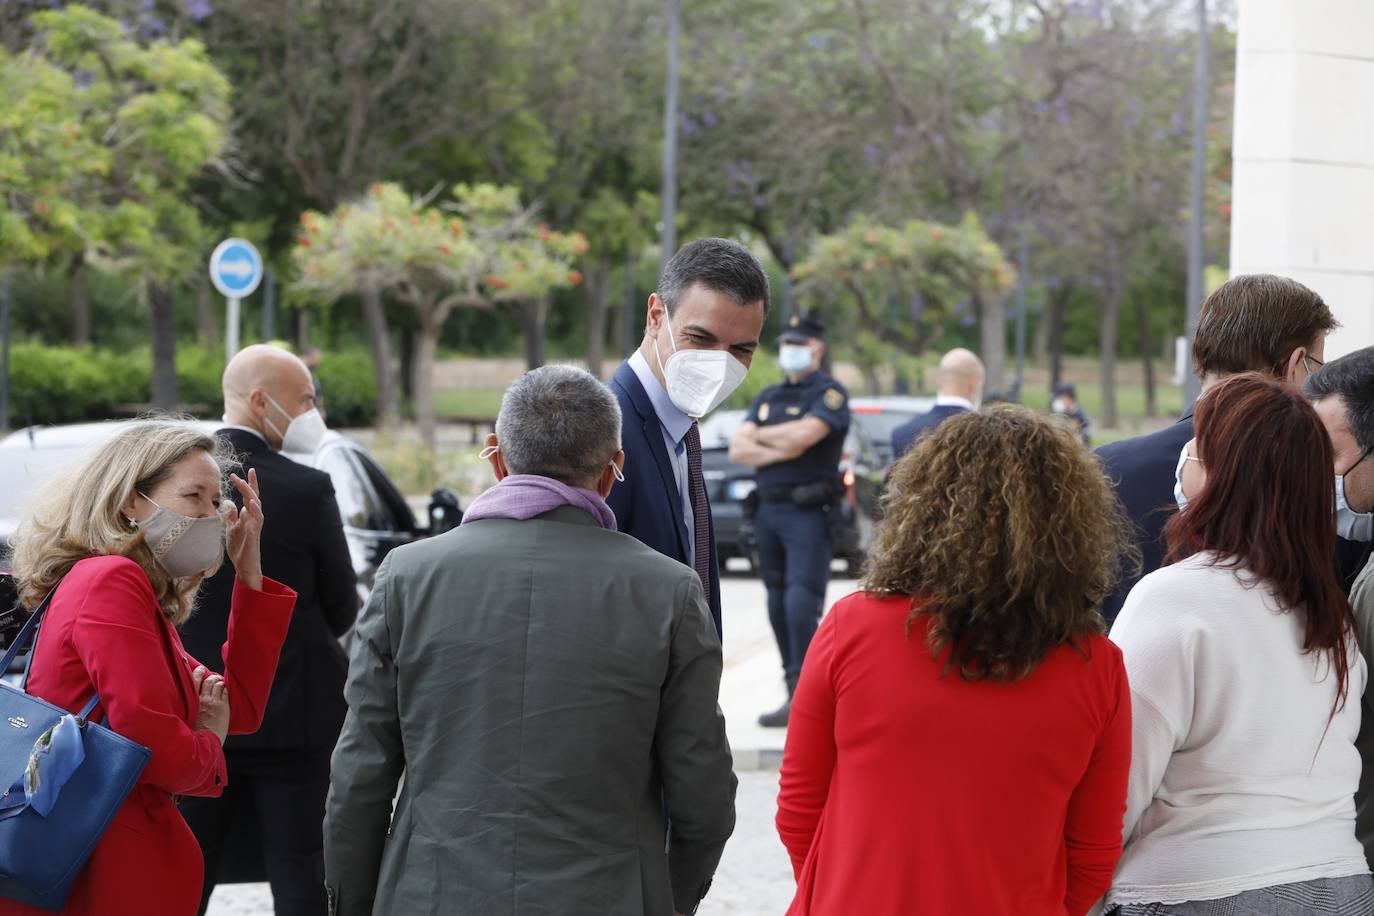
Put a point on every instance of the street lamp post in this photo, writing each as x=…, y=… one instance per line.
x=669, y=192
x=1196, y=241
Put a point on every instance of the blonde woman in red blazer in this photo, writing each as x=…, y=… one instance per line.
x=126, y=539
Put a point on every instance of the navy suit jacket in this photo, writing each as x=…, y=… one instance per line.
x=1142, y=471
x=647, y=505
x=905, y=436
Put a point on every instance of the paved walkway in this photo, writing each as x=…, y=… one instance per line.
x=755, y=878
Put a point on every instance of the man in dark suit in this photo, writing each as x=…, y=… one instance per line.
x=703, y=327
x=279, y=776
x=1251, y=323
x=959, y=381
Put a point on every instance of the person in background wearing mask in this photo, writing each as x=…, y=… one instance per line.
x=703, y=327
x=1342, y=392
x=794, y=436
x=546, y=689
x=1065, y=404
x=960, y=383
x=126, y=539
x=1251, y=323
x=280, y=774
x=1245, y=679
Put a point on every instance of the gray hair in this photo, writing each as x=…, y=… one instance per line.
x=559, y=422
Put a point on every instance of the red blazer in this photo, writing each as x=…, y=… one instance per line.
x=907, y=792
x=104, y=633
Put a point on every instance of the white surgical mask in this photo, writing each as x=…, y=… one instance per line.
x=794, y=358
x=698, y=381
x=1058, y=405
x=182, y=546
x=1352, y=525
x=303, y=434
x=1179, y=497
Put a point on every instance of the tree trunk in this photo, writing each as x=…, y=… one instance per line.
x=388, y=407
x=408, y=362
x=992, y=330
x=81, y=306
x=1040, y=346
x=1111, y=316
x=534, y=315
x=1059, y=303
x=422, y=384
x=164, y=336
x=598, y=292
x=1146, y=356
x=205, y=316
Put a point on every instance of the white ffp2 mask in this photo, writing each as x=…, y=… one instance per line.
x=698, y=381
x=303, y=434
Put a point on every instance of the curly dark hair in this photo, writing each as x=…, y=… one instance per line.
x=1004, y=530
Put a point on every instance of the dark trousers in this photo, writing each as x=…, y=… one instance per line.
x=794, y=558
x=285, y=792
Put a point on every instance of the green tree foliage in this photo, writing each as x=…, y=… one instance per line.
x=483, y=249
x=99, y=138
x=899, y=284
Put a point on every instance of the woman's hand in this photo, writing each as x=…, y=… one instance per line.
x=214, y=702
x=245, y=530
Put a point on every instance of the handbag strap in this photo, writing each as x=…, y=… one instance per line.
x=25, y=634
x=29, y=632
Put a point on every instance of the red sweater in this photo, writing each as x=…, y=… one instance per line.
x=906, y=792
x=105, y=633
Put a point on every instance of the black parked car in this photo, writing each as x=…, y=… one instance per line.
x=375, y=515
x=863, y=465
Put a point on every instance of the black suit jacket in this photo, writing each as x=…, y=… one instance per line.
x=905, y=436
x=647, y=505
x=303, y=546
x=1142, y=470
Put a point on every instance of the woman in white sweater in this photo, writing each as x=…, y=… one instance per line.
x=1245, y=680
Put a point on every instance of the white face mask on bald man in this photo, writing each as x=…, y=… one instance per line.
x=304, y=432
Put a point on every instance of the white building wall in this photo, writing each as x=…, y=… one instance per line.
x=1303, y=179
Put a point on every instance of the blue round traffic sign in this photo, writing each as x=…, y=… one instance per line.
x=235, y=268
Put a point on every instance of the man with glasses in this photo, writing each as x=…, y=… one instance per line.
x=1252, y=323
x=1343, y=394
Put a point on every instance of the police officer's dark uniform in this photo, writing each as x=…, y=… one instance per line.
x=795, y=501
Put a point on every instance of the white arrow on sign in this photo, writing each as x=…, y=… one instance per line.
x=240, y=269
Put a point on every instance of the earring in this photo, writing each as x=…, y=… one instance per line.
x=133, y=522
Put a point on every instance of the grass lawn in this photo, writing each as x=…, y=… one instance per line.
x=479, y=402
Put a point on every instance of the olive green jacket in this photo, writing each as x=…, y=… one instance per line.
x=549, y=691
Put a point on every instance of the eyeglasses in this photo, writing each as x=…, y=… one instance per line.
x=1307, y=358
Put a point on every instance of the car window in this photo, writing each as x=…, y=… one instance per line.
x=392, y=509
x=23, y=470
x=351, y=487
x=877, y=429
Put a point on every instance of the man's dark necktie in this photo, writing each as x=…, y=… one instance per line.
x=701, y=512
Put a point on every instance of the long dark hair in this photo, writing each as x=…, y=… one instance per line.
x=1268, y=505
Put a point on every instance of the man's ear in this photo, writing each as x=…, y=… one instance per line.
x=608, y=476
x=654, y=315
x=496, y=459
x=1290, y=373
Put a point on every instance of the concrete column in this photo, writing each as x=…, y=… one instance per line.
x=1303, y=180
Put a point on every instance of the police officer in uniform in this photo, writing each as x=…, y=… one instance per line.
x=794, y=435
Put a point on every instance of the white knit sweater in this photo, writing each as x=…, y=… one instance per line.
x=1237, y=781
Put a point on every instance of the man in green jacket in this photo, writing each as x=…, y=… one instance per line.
x=547, y=686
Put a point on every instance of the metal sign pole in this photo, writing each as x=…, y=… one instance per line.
x=5, y=349
x=231, y=328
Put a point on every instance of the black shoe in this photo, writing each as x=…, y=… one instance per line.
x=778, y=717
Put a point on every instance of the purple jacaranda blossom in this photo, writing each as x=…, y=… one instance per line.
x=199, y=10
x=709, y=119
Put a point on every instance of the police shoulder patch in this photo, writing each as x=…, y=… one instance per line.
x=763, y=411
x=834, y=399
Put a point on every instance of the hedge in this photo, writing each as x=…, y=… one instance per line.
x=62, y=384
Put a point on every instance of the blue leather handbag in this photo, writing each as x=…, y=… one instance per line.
x=63, y=778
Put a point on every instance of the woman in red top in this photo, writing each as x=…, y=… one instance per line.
x=129, y=537
x=960, y=738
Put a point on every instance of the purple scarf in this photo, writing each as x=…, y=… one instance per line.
x=523, y=496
